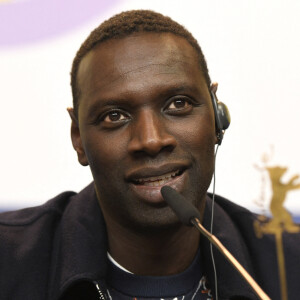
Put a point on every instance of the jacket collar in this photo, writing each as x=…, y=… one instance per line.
x=80, y=248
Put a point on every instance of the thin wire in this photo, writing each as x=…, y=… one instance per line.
x=211, y=225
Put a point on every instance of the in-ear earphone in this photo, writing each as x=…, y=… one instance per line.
x=222, y=117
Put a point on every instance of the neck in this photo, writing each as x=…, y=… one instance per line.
x=167, y=252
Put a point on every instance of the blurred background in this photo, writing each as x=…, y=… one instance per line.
x=252, y=49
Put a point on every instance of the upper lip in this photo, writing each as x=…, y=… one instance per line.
x=146, y=172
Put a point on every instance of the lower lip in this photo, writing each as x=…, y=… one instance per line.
x=152, y=194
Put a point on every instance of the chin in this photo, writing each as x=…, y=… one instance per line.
x=152, y=220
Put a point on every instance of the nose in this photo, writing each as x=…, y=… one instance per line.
x=149, y=135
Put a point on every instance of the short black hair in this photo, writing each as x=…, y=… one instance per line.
x=125, y=24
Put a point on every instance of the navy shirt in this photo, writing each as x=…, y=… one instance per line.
x=188, y=285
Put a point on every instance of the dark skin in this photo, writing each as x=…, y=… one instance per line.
x=145, y=120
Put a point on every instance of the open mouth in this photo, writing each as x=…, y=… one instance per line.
x=146, y=183
x=158, y=180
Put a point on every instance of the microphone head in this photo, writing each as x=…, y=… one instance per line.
x=184, y=210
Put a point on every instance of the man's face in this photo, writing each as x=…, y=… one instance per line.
x=145, y=120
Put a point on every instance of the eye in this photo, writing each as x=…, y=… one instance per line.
x=114, y=116
x=179, y=105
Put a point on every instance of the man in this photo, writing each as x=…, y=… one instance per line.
x=143, y=118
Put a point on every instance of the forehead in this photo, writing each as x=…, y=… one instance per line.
x=155, y=57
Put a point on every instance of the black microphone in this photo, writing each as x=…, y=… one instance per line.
x=189, y=215
x=184, y=210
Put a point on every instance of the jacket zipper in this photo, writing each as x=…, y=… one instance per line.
x=101, y=294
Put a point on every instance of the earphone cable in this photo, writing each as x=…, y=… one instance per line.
x=211, y=224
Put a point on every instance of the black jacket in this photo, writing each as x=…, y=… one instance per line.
x=59, y=251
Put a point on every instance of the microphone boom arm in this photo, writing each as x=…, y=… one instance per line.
x=215, y=241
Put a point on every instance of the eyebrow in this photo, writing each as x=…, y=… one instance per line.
x=181, y=88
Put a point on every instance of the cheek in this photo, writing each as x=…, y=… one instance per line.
x=198, y=135
x=201, y=144
x=105, y=154
x=198, y=140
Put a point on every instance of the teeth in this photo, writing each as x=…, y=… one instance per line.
x=157, y=180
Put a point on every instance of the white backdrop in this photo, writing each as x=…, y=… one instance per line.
x=252, y=49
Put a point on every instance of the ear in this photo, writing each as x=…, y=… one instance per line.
x=213, y=89
x=76, y=138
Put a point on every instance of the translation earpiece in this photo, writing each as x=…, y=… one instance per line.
x=222, y=117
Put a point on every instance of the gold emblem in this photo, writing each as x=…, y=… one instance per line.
x=281, y=220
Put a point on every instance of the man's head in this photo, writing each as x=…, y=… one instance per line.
x=145, y=120
x=125, y=24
